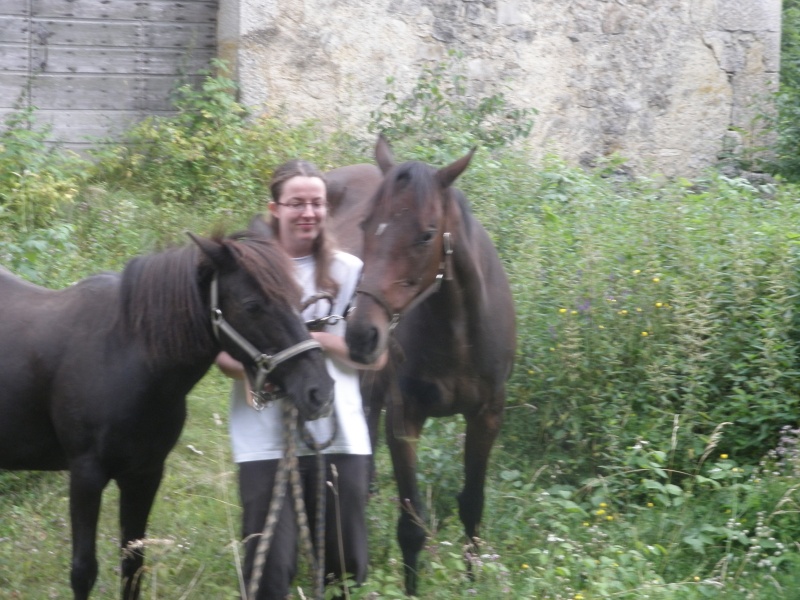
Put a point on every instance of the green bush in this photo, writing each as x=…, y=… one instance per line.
x=640, y=301
x=36, y=178
x=213, y=152
x=786, y=122
x=438, y=120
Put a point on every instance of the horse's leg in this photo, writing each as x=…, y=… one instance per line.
x=410, y=531
x=137, y=492
x=86, y=485
x=373, y=396
x=482, y=430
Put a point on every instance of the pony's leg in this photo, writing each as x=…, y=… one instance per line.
x=410, y=531
x=136, y=495
x=86, y=485
x=482, y=430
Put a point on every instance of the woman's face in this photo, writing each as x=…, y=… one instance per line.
x=301, y=211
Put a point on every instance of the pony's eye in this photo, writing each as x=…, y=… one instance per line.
x=252, y=307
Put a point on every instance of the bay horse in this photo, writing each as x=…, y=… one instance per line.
x=94, y=377
x=433, y=281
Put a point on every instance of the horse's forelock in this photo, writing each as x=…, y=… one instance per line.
x=419, y=177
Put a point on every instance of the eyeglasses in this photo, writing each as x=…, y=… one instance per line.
x=298, y=207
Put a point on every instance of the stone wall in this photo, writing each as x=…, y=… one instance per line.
x=664, y=83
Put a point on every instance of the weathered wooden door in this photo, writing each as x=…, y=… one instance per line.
x=93, y=67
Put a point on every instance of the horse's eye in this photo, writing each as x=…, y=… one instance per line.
x=252, y=307
x=425, y=238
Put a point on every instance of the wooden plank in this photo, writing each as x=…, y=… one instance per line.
x=124, y=60
x=14, y=30
x=186, y=11
x=85, y=128
x=14, y=58
x=136, y=34
x=12, y=86
x=13, y=7
x=107, y=92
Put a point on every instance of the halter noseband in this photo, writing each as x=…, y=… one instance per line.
x=266, y=363
x=445, y=273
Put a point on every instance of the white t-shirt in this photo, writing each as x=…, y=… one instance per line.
x=258, y=435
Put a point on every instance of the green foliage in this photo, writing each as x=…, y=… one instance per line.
x=36, y=179
x=638, y=301
x=438, y=119
x=786, y=122
x=212, y=153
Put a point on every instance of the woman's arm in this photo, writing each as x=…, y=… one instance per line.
x=335, y=346
x=230, y=366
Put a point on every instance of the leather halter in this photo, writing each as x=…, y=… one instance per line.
x=445, y=273
x=266, y=363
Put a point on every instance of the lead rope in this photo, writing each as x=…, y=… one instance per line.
x=288, y=469
x=289, y=474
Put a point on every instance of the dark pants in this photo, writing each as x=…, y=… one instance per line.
x=256, y=481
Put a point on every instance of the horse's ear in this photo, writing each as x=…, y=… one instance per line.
x=447, y=175
x=383, y=154
x=217, y=253
x=259, y=226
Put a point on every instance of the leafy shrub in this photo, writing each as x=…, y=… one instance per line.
x=786, y=122
x=439, y=120
x=638, y=301
x=36, y=178
x=213, y=152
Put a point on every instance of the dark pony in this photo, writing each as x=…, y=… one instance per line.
x=94, y=377
x=434, y=283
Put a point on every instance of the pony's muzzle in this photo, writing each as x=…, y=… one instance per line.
x=318, y=405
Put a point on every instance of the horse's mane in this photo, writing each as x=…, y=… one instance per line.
x=161, y=301
x=267, y=263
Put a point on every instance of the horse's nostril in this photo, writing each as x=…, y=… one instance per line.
x=371, y=339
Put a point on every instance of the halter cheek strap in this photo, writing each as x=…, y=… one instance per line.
x=445, y=273
x=265, y=363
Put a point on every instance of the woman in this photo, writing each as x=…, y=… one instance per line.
x=298, y=213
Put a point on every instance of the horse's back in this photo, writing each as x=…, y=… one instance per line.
x=350, y=190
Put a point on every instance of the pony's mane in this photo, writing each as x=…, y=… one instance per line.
x=161, y=301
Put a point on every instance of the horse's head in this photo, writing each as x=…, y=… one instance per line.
x=254, y=304
x=408, y=239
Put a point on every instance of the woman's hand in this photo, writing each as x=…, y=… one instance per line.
x=335, y=346
x=229, y=365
